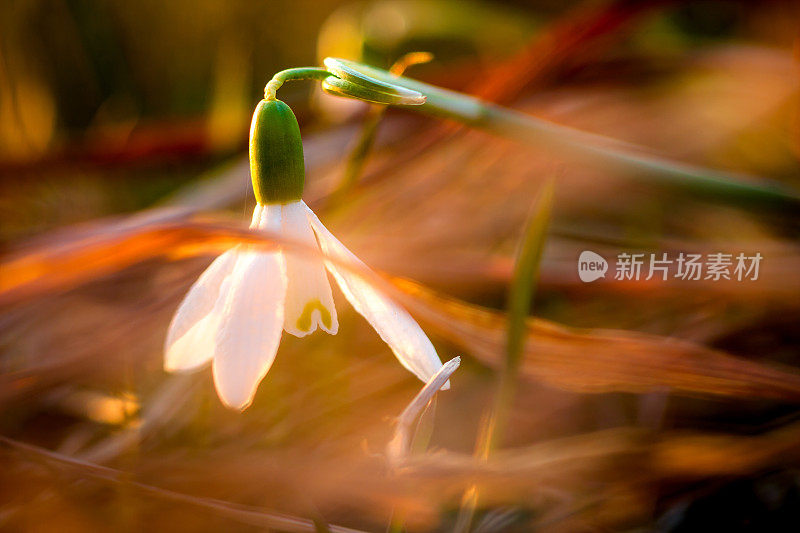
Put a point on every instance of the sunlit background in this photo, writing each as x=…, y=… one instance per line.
x=641, y=405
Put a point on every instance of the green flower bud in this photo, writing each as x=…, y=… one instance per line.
x=276, y=154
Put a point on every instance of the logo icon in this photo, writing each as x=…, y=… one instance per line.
x=591, y=266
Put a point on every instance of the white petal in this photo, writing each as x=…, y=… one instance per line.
x=190, y=337
x=191, y=333
x=309, y=302
x=251, y=320
x=393, y=323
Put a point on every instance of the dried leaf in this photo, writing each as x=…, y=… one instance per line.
x=598, y=360
x=579, y=360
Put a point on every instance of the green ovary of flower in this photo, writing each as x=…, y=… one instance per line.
x=276, y=154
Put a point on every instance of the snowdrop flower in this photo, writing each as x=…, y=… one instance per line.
x=234, y=314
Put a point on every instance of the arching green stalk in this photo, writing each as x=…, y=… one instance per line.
x=354, y=80
x=302, y=73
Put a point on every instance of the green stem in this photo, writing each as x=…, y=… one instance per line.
x=592, y=149
x=302, y=73
x=520, y=296
x=357, y=158
x=369, y=129
x=587, y=148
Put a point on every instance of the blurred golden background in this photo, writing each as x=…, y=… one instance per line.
x=641, y=405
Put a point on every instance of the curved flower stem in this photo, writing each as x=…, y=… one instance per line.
x=302, y=73
x=592, y=149
x=580, y=146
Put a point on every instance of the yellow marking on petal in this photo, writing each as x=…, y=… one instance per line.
x=304, y=322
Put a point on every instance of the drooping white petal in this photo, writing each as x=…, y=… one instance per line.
x=309, y=302
x=190, y=337
x=393, y=323
x=251, y=319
